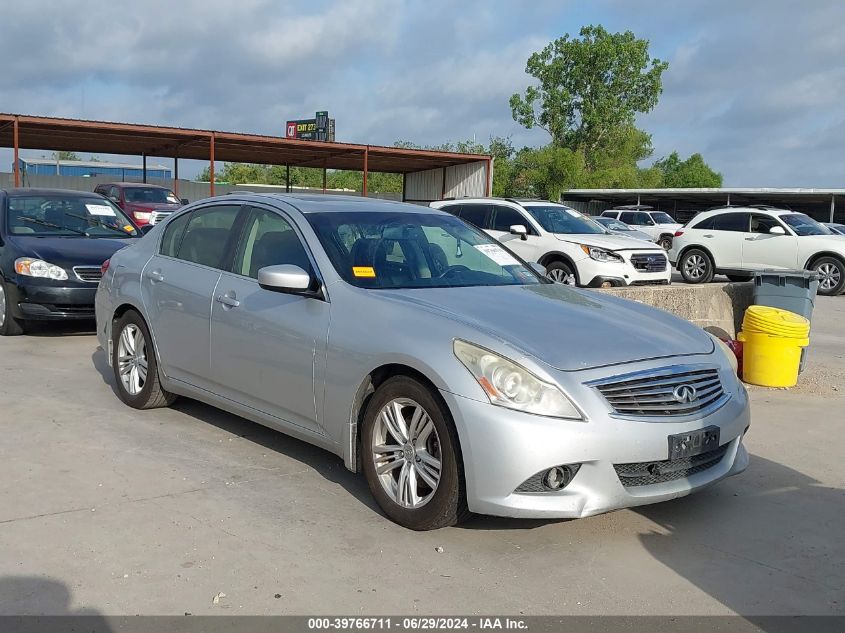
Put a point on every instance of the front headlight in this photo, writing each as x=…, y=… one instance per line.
x=39, y=268
x=726, y=351
x=600, y=254
x=510, y=385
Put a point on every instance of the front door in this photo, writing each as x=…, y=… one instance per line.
x=762, y=249
x=177, y=285
x=504, y=218
x=266, y=346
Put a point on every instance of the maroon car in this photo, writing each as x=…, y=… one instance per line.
x=145, y=203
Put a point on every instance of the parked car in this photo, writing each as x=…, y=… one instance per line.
x=425, y=354
x=617, y=227
x=736, y=241
x=574, y=249
x=52, y=246
x=837, y=228
x=145, y=203
x=658, y=224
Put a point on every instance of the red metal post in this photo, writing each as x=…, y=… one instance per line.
x=211, y=165
x=364, y=191
x=16, y=144
x=489, y=177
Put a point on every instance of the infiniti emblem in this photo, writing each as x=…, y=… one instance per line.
x=685, y=394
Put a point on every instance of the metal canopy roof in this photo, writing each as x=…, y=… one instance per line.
x=125, y=138
x=712, y=195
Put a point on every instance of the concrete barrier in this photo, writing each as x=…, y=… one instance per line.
x=710, y=306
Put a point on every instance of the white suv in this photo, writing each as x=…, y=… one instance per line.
x=658, y=224
x=737, y=241
x=574, y=249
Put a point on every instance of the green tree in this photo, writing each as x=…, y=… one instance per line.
x=692, y=172
x=588, y=88
x=64, y=155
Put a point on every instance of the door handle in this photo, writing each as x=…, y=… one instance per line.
x=750, y=239
x=226, y=300
x=707, y=236
x=155, y=275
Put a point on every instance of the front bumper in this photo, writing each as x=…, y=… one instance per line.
x=503, y=448
x=594, y=274
x=34, y=301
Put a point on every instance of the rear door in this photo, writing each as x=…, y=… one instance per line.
x=762, y=249
x=267, y=347
x=477, y=214
x=725, y=240
x=177, y=287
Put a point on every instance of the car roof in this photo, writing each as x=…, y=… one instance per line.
x=331, y=203
x=20, y=192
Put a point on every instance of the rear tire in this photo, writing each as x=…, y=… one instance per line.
x=832, y=275
x=9, y=325
x=665, y=242
x=411, y=456
x=696, y=267
x=561, y=273
x=135, y=365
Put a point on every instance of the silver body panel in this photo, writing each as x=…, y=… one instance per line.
x=301, y=365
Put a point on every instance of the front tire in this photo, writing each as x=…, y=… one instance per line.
x=665, y=242
x=831, y=275
x=9, y=325
x=696, y=267
x=411, y=456
x=135, y=366
x=561, y=273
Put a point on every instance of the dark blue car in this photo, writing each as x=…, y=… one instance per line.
x=52, y=246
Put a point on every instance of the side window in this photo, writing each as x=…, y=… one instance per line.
x=629, y=217
x=268, y=240
x=206, y=235
x=476, y=214
x=454, y=209
x=113, y=193
x=504, y=217
x=610, y=214
x=706, y=224
x=173, y=235
x=733, y=222
x=763, y=223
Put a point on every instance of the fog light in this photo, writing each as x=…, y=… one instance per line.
x=551, y=480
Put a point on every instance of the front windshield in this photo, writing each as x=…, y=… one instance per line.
x=614, y=225
x=804, y=224
x=415, y=250
x=150, y=194
x=662, y=218
x=557, y=219
x=66, y=216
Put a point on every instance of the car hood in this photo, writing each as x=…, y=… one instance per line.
x=154, y=206
x=609, y=242
x=69, y=251
x=637, y=235
x=565, y=328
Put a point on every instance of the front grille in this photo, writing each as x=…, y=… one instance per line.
x=672, y=391
x=70, y=308
x=92, y=274
x=158, y=216
x=647, y=473
x=649, y=262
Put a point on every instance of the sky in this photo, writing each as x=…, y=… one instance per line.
x=756, y=86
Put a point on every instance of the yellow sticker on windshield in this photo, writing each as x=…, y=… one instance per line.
x=128, y=228
x=363, y=271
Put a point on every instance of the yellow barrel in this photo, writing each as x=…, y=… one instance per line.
x=772, y=342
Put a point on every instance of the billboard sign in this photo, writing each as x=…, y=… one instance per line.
x=320, y=128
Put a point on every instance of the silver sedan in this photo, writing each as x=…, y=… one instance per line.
x=425, y=354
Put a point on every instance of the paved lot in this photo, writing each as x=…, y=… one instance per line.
x=106, y=509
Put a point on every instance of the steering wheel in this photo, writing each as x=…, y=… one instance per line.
x=453, y=269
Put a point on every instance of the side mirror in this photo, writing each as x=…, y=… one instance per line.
x=147, y=228
x=185, y=201
x=777, y=230
x=519, y=229
x=286, y=278
x=538, y=268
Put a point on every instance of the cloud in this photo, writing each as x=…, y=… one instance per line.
x=756, y=86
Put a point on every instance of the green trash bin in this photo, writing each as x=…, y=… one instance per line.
x=793, y=290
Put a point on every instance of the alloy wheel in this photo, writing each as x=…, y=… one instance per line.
x=2, y=305
x=132, y=359
x=406, y=453
x=830, y=276
x=560, y=276
x=695, y=266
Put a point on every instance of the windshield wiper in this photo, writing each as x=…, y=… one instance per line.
x=99, y=223
x=51, y=225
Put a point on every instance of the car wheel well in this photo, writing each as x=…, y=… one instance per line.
x=368, y=387
x=818, y=256
x=701, y=248
x=123, y=309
